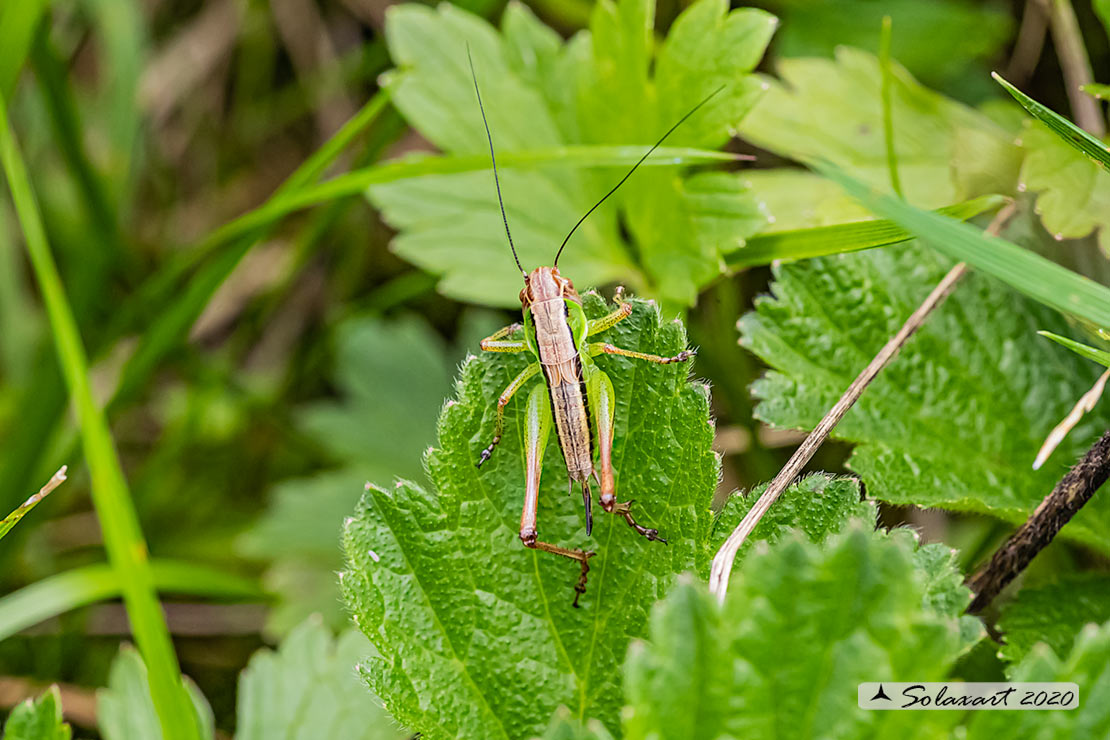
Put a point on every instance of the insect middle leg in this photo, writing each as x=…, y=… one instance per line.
x=506, y=395
x=602, y=399
x=624, y=310
x=537, y=427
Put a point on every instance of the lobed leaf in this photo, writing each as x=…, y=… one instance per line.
x=957, y=419
x=594, y=90
x=38, y=719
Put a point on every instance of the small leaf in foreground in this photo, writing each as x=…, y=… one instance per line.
x=125, y=710
x=477, y=634
x=975, y=378
x=38, y=719
x=1100, y=356
x=802, y=626
x=309, y=688
x=1053, y=614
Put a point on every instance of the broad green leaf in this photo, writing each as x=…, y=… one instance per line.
x=821, y=241
x=802, y=625
x=309, y=689
x=1039, y=278
x=832, y=109
x=975, y=378
x=939, y=41
x=1088, y=665
x=1100, y=356
x=1067, y=131
x=1053, y=614
x=38, y=719
x=1073, y=193
x=477, y=634
x=542, y=93
x=124, y=709
x=391, y=377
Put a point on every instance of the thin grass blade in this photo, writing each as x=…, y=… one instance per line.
x=12, y=519
x=1100, y=356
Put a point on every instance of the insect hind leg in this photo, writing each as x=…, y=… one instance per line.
x=625, y=510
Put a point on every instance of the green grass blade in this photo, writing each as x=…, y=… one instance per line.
x=18, y=22
x=1096, y=90
x=1059, y=125
x=888, y=114
x=1029, y=273
x=820, y=241
x=12, y=519
x=123, y=537
x=1100, y=356
x=89, y=584
x=353, y=183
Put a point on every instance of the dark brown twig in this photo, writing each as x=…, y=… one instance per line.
x=1070, y=494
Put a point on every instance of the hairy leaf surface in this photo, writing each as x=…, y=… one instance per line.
x=802, y=625
x=596, y=89
x=478, y=633
x=956, y=420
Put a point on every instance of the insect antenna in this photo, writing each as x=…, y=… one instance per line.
x=493, y=159
x=629, y=173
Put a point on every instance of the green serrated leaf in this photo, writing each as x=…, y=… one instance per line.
x=1100, y=356
x=564, y=726
x=802, y=625
x=1053, y=614
x=1073, y=193
x=391, y=377
x=38, y=719
x=1087, y=665
x=309, y=688
x=125, y=710
x=1037, y=277
x=441, y=585
x=821, y=241
x=541, y=93
x=1067, y=131
x=975, y=379
x=832, y=109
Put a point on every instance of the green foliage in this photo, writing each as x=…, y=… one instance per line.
x=309, y=689
x=828, y=318
x=1053, y=614
x=805, y=117
x=1100, y=356
x=1073, y=192
x=1064, y=129
x=477, y=634
x=1038, y=277
x=125, y=710
x=802, y=625
x=24, y=509
x=392, y=377
x=38, y=719
x=1087, y=665
x=540, y=92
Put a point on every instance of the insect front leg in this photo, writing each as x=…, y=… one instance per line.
x=603, y=402
x=624, y=310
x=537, y=427
x=506, y=395
x=499, y=341
x=600, y=348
